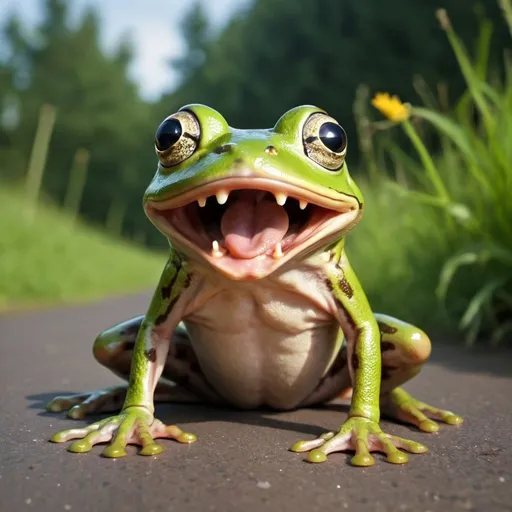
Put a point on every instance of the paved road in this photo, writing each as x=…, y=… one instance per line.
x=241, y=462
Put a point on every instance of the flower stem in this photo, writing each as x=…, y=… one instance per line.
x=427, y=161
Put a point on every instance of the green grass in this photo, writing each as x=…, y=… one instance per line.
x=397, y=252
x=436, y=246
x=54, y=261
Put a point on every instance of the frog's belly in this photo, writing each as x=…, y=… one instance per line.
x=261, y=357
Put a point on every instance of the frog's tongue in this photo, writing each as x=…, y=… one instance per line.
x=253, y=224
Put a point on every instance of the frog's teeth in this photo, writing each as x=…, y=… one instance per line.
x=278, y=251
x=217, y=250
x=302, y=204
x=222, y=196
x=281, y=198
x=201, y=202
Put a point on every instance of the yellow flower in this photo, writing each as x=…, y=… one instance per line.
x=391, y=107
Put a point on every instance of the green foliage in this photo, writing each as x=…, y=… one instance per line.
x=469, y=183
x=196, y=32
x=98, y=109
x=55, y=260
x=283, y=53
x=397, y=252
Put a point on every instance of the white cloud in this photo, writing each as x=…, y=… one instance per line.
x=156, y=45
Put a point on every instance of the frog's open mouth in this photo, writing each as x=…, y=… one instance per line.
x=248, y=232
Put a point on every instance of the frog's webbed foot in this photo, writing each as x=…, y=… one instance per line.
x=134, y=425
x=402, y=406
x=362, y=436
x=93, y=402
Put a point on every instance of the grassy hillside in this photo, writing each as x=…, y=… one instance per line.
x=51, y=260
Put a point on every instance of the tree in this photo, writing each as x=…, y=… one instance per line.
x=289, y=52
x=98, y=108
x=196, y=33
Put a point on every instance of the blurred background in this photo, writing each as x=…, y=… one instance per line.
x=84, y=85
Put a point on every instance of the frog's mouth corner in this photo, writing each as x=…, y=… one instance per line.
x=248, y=232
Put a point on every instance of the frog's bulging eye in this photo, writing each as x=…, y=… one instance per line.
x=168, y=133
x=333, y=136
x=177, y=138
x=325, y=141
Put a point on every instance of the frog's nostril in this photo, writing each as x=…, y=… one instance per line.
x=225, y=148
x=271, y=150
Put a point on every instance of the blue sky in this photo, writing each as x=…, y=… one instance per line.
x=154, y=26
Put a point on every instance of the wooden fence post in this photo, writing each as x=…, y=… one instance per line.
x=76, y=183
x=38, y=157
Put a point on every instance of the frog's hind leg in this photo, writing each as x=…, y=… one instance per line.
x=182, y=380
x=405, y=349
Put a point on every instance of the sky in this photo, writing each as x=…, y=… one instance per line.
x=154, y=26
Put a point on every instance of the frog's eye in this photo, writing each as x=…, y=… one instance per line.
x=177, y=138
x=325, y=141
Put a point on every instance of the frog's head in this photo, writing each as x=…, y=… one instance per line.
x=248, y=201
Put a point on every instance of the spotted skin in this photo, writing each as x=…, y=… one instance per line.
x=290, y=326
x=182, y=379
x=400, y=350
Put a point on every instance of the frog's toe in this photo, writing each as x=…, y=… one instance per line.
x=306, y=446
x=64, y=403
x=94, y=402
x=100, y=435
x=161, y=431
x=320, y=447
x=87, y=435
x=408, y=445
x=404, y=407
x=447, y=417
x=392, y=446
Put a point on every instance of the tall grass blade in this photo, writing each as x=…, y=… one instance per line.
x=480, y=299
x=452, y=266
x=500, y=332
x=467, y=69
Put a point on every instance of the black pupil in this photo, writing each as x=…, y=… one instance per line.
x=333, y=136
x=168, y=133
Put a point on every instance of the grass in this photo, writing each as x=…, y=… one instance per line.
x=53, y=260
x=397, y=253
x=441, y=226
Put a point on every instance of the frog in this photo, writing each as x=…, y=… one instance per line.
x=258, y=306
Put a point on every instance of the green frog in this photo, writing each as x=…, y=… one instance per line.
x=258, y=305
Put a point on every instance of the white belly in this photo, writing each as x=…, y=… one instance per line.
x=261, y=345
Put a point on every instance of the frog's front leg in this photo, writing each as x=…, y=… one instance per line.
x=361, y=431
x=136, y=424
x=113, y=348
x=405, y=349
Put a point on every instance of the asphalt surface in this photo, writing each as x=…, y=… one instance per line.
x=240, y=462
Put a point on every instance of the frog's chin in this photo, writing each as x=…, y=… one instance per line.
x=247, y=229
